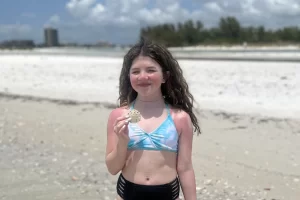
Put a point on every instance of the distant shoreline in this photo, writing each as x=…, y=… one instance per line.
x=195, y=47
x=237, y=53
x=237, y=58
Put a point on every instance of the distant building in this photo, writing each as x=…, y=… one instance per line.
x=51, y=37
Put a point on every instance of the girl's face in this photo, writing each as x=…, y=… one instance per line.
x=146, y=76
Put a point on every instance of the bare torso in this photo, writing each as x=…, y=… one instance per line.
x=150, y=167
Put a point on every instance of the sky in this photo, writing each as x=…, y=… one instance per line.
x=119, y=21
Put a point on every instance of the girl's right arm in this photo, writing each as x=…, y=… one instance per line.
x=117, y=140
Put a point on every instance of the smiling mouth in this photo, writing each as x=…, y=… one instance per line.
x=144, y=84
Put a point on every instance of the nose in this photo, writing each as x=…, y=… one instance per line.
x=143, y=76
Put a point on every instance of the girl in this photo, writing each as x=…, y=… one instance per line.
x=153, y=155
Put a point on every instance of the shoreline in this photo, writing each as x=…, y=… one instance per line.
x=109, y=105
x=251, y=46
x=239, y=58
x=185, y=53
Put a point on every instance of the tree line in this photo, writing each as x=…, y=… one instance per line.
x=17, y=44
x=229, y=31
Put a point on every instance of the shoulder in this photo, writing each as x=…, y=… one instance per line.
x=117, y=112
x=180, y=115
x=182, y=120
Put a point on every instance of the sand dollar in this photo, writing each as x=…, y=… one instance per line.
x=135, y=116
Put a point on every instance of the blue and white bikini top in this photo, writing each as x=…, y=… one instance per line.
x=163, y=138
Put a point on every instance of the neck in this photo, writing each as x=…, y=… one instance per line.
x=152, y=98
x=150, y=101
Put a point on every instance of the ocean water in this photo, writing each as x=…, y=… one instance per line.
x=265, y=88
x=275, y=52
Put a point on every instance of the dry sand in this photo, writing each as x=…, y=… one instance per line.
x=55, y=150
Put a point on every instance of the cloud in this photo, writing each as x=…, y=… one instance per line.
x=120, y=20
x=127, y=16
x=280, y=8
x=53, y=21
x=80, y=8
x=14, y=29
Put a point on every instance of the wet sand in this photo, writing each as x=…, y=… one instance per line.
x=55, y=150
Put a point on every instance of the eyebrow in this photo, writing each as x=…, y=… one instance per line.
x=148, y=67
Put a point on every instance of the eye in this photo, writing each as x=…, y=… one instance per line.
x=135, y=72
x=151, y=70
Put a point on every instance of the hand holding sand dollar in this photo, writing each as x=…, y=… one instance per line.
x=121, y=127
x=135, y=116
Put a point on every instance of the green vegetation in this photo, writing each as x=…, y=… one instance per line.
x=228, y=32
x=17, y=44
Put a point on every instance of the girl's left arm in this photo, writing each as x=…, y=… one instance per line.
x=185, y=168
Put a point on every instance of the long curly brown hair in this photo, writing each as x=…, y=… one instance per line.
x=175, y=90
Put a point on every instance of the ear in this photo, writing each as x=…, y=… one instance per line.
x=166, y=76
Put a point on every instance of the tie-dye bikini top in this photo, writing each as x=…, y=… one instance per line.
x=163, y=138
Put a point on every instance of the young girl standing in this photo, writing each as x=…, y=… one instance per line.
x=153, y=154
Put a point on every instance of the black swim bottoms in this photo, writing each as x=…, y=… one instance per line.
x=131, y=191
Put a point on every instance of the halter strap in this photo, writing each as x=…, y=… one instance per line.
x=168, y=109
x=132, y=105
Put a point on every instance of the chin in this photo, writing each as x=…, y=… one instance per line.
x=147, y=91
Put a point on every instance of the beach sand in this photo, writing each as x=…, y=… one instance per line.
x=55, y=150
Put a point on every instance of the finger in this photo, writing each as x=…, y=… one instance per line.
x=122, y=123
x=126, y=131
x=123, y=129
x=121, y=118
x=116, y=130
